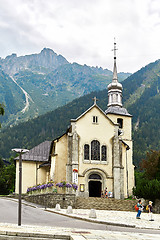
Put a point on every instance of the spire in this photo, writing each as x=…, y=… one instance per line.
x=115, y=92
x=115, y=88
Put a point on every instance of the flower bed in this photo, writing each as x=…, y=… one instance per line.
x=49, y=187
x=64, y=185
x=40, y=188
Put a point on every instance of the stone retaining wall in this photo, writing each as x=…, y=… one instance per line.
x=156, y=207
x=51, y=199
x=105, y=204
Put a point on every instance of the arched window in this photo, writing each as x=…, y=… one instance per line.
x=95, y=150
x=120, y=122
x=94, y=176
x=86, y=151
x=104, y=153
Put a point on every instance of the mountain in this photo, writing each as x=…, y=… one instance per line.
x=45, y=61
x=35, y=84
x=141, y=97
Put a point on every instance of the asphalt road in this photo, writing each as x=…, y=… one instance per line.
x=40, y=217
x=37, y=216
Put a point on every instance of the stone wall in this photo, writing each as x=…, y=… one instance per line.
x=51, y=199
x=105, y=204
x=156, y=207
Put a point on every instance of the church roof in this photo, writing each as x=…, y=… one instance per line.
x=39, y=153
x=118, y=111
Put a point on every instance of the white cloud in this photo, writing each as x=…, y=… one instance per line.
x=83, y=31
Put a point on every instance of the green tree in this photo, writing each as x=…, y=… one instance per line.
x=147, y=189
x=151, y=165
x=148, y=181
x=7, y=177
x=1, y=110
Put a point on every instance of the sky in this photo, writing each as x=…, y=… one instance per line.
x=83, y=31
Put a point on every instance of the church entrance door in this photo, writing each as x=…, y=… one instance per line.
x=95, y=188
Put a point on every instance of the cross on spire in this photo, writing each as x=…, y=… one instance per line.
x=95, y=100
x=115, y=49
x=115, y=78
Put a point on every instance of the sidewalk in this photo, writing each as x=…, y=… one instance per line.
x=117, y=218
x=36, y=232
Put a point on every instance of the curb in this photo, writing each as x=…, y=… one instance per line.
x=34, y=235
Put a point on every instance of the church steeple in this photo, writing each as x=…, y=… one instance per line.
x=115, y=88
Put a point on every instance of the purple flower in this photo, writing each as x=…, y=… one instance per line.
x=75, y=187
x=68, y=185
x=49, y=184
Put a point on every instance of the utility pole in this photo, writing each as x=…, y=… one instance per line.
x=20, y=151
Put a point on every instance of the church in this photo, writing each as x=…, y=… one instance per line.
x=95, y=152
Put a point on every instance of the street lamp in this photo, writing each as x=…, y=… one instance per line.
x=20, y=151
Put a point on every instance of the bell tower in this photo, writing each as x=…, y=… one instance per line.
x=123, y=169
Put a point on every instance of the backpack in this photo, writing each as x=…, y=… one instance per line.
x=147, y=208
x=136, y=208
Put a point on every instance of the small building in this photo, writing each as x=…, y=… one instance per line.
x=95, y=152
x=35, y=167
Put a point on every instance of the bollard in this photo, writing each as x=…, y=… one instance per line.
x=92, y=214
x=69, y=210
x=57, y=208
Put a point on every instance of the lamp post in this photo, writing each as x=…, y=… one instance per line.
x=20, y=151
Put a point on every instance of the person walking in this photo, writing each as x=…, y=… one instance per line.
x=140, y=209
x=106, y=193
x=150, y=210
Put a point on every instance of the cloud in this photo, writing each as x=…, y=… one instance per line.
x=83, y=31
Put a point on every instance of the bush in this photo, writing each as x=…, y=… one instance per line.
x=147, y=189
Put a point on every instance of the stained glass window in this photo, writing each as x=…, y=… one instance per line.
x=86, y=151
x=104, y=153
x=95, y=150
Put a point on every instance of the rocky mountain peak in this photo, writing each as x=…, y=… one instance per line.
x=47, y=59
x=47, y=51
x=13, y=55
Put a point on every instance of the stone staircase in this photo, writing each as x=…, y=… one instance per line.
x=105, y=204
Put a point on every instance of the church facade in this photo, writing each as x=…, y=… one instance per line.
x=96, y=150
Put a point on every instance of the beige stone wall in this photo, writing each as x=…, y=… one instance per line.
x=59, y=161
x=127, y=125
x=127, y=138
x=31, y=175
x=103, y=132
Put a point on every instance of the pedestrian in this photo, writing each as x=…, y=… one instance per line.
x=106, y=193
x=140, y=209
x=150, y=211
x=102, y=194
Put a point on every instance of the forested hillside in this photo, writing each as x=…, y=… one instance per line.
x=142, y=99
